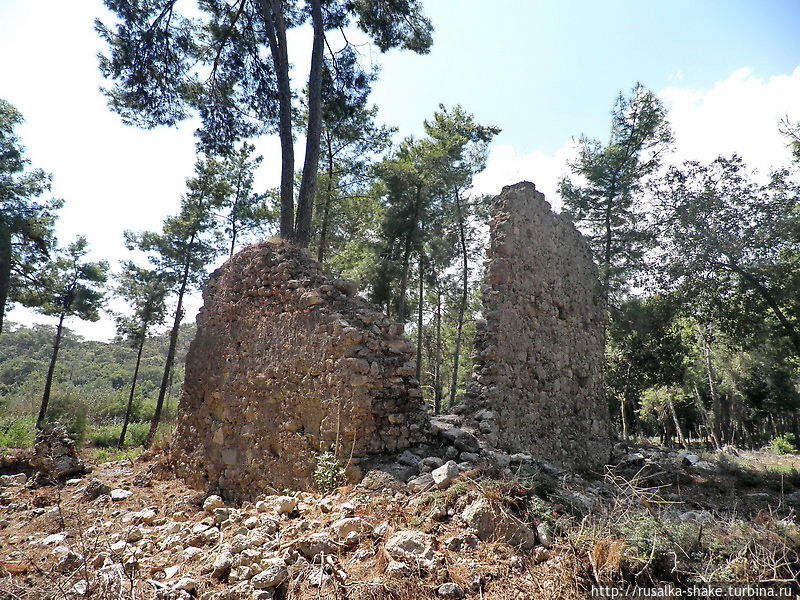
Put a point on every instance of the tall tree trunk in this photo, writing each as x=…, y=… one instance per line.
x=48, y=384
x=420, y=304
x=143, y=334
x=5, y=269
x=409, y=246
x=704, y=414
x=437, y=386
x=233, y=220
x=401, y=294
x=716, y=401
x=678, y=430
x=173, y=342
x=607, y=241
x=623, y=417
x=623, y=401
x=233, y=239
x=276, y=34
x=462, y=305
x=326, y=208
x=766, y=294
x=725, y=418
x=308, y=182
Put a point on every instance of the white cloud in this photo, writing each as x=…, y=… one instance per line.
x=739, y=114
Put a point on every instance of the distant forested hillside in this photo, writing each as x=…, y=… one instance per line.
x=92, y=379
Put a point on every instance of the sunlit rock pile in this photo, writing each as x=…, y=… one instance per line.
x=133, y=542
x=288, y=363
x=540, y=344
x=55, y=456
x=52, y=459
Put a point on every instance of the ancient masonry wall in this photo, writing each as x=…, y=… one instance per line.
x=287, y=363
x=539, y=347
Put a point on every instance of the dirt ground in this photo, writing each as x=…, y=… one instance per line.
x=159, y=542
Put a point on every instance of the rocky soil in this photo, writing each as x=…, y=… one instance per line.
x=130, y=529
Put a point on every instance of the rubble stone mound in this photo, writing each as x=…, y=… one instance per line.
x=539, y=346
x=288, y=363
x=54, y=455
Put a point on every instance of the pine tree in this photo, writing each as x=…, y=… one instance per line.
x=181, y=253
x=243, y=210
x=232, y=67
x=146, y=292
x=73, y=289
x=609, y=205
x=26, y=224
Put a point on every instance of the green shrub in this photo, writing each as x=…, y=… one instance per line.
x=109, y=455
x=113, y=408
x=329, y=473
x=655, y=540
x=107, y=436
x=19, y=432
x=137, y=433
x=68, y=408
x=784, y=444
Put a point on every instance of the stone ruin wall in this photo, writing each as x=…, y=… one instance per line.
x=285, y=364
x=288, y=362
x=539, y=348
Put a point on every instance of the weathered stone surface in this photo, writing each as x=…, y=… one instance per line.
x=120, y=494
x=212, y=502
x=13, y=480
x=487, y=521
x=285, y=504
x=422, y=483
x=398, y=569
x=314, y=545
x=271, y=577
x=349, y=530
x=412, y=545
x=444, y=475
x=55, y=456
x=451, y=591
x=539, y=348
x=286, y=363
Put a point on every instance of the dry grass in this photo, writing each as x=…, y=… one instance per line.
x=633, y=539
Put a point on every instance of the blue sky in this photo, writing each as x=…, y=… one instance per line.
x=544, y=72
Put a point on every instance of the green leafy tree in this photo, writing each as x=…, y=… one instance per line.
x=658, y=405
x=26, y=224
x=430, y=224
x=646, y=347
x=146, y=293
x=729, y=243
x=351, y=140
x=231, y=66
x=791, y=130
x=182, y=252
x=243, y=211
x=91, y=378
x=407, y=179
x=422, y=186
x=606, y=199
x=74, y=289
x=466, y=143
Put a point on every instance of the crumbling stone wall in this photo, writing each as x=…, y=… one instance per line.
x=286, y=363
x=539, y=347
